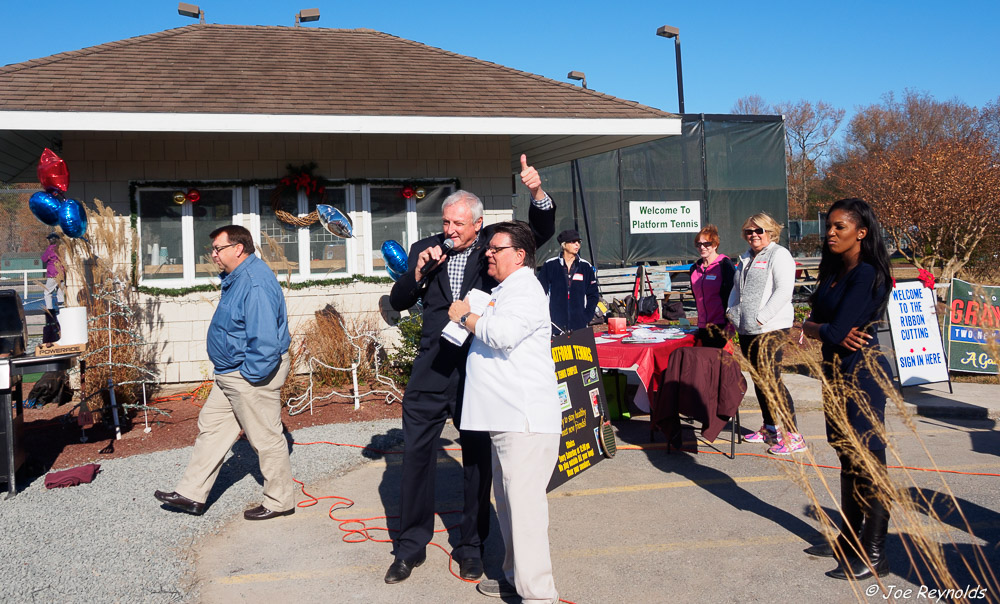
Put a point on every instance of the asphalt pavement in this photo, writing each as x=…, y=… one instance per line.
x=647, y=525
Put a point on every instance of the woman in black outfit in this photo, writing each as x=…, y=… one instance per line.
x=855, y=283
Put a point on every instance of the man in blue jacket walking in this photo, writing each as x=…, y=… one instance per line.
x=248, y=343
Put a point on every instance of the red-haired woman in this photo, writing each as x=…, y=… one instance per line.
x=711, y=283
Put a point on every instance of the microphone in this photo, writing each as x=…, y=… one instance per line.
x=429, y=267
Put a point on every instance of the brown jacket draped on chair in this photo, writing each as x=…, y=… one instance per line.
x=702, y=383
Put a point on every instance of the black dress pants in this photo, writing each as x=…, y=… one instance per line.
x=424, y=415
x=750, y=345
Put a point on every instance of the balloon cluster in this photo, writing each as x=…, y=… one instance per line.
x=395, y=259
x=51, y=205
x=192, y=195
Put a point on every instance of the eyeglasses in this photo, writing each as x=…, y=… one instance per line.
x=748, y=232
x=493, y=249
x=703, y=244
x=216, y=249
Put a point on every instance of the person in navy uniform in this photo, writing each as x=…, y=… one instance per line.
x=571, y=284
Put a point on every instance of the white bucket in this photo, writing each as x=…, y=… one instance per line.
x=73, y=325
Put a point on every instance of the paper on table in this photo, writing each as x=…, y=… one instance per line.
x=455, y=333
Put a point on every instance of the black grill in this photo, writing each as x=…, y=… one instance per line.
x=13, y=364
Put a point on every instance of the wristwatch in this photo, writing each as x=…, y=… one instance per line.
x=464, y=317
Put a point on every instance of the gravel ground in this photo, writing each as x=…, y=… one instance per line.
x=111, y=541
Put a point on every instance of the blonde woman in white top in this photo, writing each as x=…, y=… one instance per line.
x=760, y=306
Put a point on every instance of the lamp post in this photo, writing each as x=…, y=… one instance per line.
x=190, y=10
x=578, y=75
x=672, y=32
x=306, y=15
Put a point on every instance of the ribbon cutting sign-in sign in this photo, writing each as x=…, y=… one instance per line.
x=664, y=217
x=916, y=335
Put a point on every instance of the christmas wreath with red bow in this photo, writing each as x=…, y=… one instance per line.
x=302, y=179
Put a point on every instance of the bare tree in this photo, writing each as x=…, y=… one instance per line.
x=989, y=123
x=915, y=120
x=752, y=104
x=809, y=130
x=20, y=231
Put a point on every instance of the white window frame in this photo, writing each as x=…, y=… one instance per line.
x=411, y=226
x=188, y=259
x=302, y=201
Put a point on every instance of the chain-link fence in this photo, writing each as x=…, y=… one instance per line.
x=22, y=240
x=20, y=231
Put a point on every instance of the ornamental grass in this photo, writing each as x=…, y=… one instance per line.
x=939, y=550
x=98, y=272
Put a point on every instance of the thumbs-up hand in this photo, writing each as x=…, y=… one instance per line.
x=531, y=179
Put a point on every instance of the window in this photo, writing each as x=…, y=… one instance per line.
x=173, y=239
x=160, y=236
x=213, y=210
x=392, y=216
x=301, y=252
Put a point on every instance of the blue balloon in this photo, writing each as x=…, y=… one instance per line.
x=393, y=274
x=395, y=258
x=335, y=221
x=45, y=207
x=73, y=218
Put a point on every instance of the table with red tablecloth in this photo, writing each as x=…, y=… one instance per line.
x=647, y=360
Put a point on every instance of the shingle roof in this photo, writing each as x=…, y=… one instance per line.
x=208, y=68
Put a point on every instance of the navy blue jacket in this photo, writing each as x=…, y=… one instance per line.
x=854, y=302
x=573, y=295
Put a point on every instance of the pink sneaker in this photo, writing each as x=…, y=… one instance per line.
x=792, y=443
x=762, y=436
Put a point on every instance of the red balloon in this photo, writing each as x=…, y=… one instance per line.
x=193, y=195
x=52, y=172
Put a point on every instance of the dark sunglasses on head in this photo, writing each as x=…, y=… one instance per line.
x=748, y=232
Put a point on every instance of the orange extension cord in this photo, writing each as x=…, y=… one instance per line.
x=356, y=530
x=192, y=396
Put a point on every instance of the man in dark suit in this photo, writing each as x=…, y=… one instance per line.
x=434, y=391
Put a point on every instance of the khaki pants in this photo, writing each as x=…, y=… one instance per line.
x=235, y=403
x=53, y=286
x=522, y=467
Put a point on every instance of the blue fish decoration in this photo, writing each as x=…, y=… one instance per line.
x=335, y=221
x=395, y=259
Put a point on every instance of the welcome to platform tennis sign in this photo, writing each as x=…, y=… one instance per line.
x=664, y=217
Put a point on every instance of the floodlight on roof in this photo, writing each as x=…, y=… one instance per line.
x=190, y=10
x=578, y=75
x=306, y=15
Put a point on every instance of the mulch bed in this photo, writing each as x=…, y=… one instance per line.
x=52, y=435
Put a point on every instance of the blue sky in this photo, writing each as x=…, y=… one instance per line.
x=846, y=53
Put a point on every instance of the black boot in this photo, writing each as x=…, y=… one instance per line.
x=847, y=543
x=874, y=562
x=873, y=542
